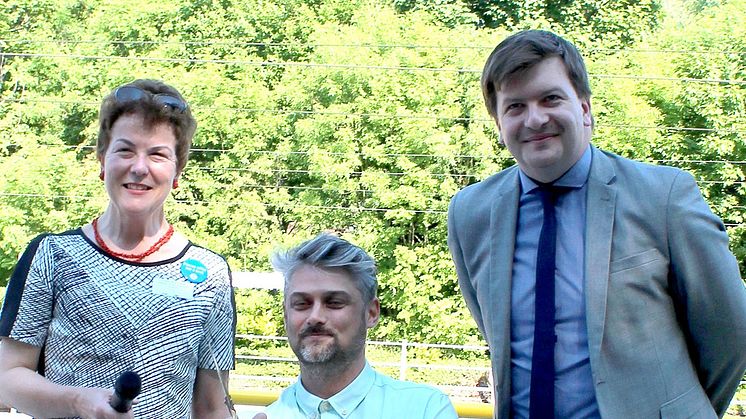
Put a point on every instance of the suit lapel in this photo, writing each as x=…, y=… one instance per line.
x=601, y=202
x=503, y=218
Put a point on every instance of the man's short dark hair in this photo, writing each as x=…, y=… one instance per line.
x=521, y=51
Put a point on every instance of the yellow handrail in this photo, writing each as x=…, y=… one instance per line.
x=264, y=398
x=254, y=398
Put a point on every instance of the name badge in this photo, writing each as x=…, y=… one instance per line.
x=194, y=271
x=171, y=288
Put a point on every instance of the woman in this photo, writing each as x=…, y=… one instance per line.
x=125, y=292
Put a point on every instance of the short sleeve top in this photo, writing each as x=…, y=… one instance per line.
x=95, y=316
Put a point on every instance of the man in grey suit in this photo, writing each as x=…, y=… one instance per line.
x=649, y=313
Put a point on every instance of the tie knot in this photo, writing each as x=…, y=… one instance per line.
x=549, y=192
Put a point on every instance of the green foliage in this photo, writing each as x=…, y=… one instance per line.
x=257, y=312
x=423, y=299
x=698, y=6
x=714, y=112
x=615, y=25
x=360, y=117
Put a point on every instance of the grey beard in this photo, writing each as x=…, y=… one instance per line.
x=327, y=362
x=309, y=355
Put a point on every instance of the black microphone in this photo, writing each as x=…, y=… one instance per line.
x=126, y=388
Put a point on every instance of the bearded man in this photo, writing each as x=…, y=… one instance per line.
x=329, y=304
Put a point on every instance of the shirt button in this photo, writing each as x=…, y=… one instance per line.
x=325, y=406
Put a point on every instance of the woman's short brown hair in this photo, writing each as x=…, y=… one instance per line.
x=152, y=112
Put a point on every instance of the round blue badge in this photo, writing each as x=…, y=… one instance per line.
x=194, y=271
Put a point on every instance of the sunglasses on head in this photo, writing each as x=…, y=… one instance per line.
x=133, y=93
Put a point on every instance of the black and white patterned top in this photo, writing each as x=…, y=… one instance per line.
x=96, y=316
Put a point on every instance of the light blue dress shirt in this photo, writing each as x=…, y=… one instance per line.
x=574, y=393
x=370, y=396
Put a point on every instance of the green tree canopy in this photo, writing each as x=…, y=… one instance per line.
x=359, y=117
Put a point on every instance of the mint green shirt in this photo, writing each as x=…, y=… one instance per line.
x=370, y=396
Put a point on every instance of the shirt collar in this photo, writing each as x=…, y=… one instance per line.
x=343, y=402
x=307, y=402
x=576, y=177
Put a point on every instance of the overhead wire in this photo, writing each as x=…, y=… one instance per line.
x=359, y=174
x=485, y=120
x=239, y=43
x=397, y=68
x=279, y=153
x=240, y=203
x=338, y=66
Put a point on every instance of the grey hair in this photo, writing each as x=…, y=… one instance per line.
x=329, y=252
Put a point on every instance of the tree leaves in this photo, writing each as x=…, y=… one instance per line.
x=358, y=117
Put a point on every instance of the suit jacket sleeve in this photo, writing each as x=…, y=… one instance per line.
x=708, y=291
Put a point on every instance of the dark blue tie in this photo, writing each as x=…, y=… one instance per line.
x=541, y=405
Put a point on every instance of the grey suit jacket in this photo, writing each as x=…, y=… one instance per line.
x=665, y=304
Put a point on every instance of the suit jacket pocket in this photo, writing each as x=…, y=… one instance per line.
x=635, y=260
x=693, y=404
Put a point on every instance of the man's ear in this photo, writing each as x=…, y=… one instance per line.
x=585, y=104
x=373, y=313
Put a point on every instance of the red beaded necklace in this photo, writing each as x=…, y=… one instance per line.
x=137, y=257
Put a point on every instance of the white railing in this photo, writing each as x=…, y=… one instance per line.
x=403, y=366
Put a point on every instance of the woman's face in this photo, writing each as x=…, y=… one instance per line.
x=139, y=166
